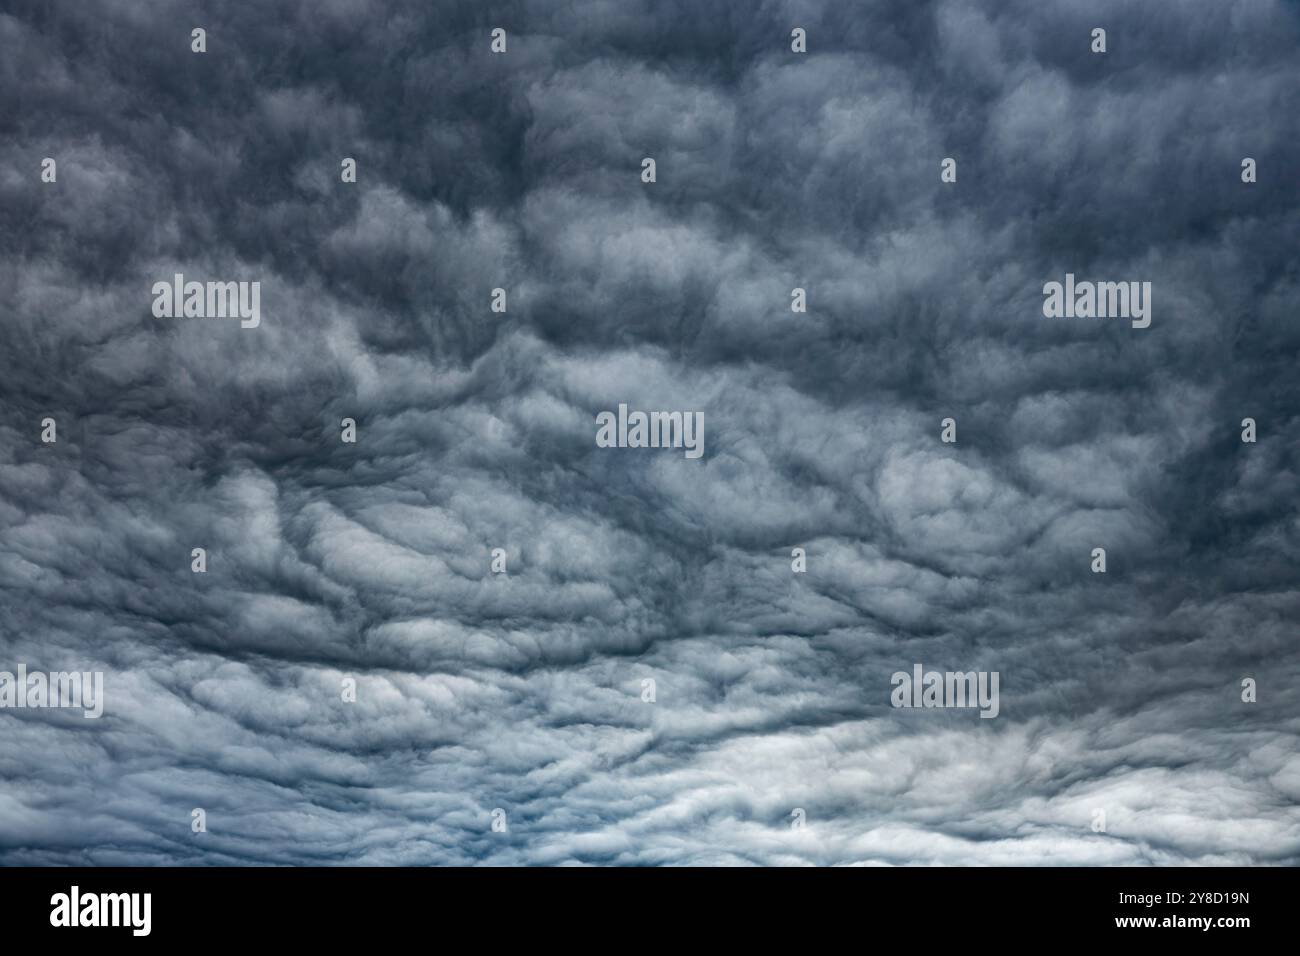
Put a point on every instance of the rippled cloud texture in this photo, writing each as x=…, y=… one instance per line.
x=475, y=691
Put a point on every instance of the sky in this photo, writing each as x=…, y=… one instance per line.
x=520, y=698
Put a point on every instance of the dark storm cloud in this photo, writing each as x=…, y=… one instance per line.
x=476, y=431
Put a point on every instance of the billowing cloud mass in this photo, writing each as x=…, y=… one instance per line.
x=523, y=691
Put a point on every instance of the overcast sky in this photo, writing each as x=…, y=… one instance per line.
x=475, y=430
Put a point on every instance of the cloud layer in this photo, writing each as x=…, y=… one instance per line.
x=523, y=691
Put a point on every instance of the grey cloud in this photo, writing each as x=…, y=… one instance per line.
x=478, y=691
